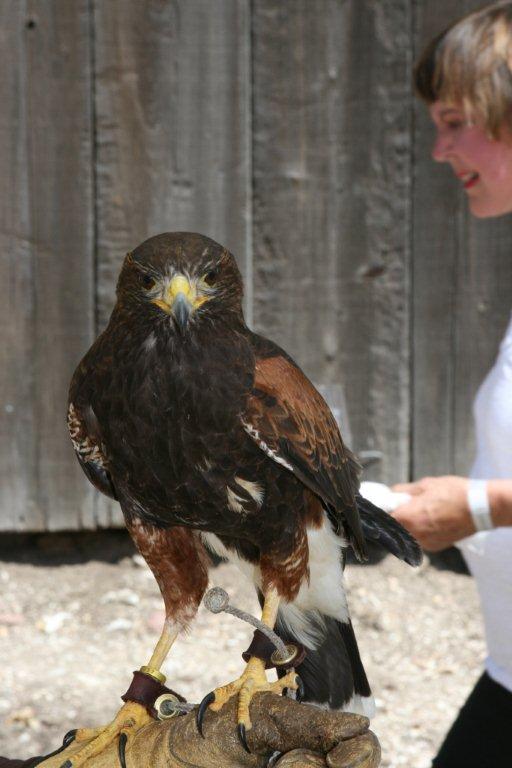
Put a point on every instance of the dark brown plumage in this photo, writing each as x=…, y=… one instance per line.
x=211, y=438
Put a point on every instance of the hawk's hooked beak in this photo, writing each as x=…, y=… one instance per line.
x=179, y=300
x=181, y=309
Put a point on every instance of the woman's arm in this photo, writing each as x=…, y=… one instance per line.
x=438, y=513
x=500, y=501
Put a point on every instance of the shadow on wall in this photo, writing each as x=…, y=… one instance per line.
x=66, y=548
x=111, y=546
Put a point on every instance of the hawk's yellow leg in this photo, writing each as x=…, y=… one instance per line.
x=129, y=719
x=254, y=679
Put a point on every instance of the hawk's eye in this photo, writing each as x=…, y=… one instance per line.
x=147, y=281
x=211, y=276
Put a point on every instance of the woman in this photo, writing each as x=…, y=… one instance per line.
x=465, y=77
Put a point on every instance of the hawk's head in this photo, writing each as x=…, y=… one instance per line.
x=182, y=276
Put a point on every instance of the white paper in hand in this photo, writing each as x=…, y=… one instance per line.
x=382, y=496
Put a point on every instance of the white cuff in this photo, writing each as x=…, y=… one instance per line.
x=478, y=503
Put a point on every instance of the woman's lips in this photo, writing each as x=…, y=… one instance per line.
x=468, y=179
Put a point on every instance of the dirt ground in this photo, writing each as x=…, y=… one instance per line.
x=79, y=613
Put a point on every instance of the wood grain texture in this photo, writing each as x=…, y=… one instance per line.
x=331, y=167
x=46, y=274
x=173, y=109
x=461, y=290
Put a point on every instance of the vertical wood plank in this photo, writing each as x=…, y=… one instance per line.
x=47, y=303
x=461, y=289
x=173, y=109
x=331, y=168
x=173, y=99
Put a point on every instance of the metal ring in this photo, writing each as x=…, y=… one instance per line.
x=154, y=673
x=166, y=706
x=281, y=661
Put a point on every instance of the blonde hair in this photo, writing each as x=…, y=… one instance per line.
x=470, y=63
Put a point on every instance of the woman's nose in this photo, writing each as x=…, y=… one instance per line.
x=441, y=147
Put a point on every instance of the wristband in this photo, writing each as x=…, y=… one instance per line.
x=478, y=503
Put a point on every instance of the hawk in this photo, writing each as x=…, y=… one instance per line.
x=213, y=440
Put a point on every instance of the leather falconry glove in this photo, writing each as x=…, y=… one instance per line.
x=307, y=737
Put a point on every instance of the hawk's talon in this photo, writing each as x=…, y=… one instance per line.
x=243, y=738
x=121, y=748
x=300, y=692
x=252, y=681
x=273, y=759
x=69, y=737
x=94, y=741
x=203, y=706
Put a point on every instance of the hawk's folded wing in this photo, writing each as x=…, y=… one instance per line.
x=85, y=435
x=291, y=422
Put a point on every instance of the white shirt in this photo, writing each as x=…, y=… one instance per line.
x=489, y=553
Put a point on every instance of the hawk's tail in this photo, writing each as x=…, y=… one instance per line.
x=332, y=672
x=381, y=528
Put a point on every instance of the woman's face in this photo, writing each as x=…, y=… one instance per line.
x=483, y=165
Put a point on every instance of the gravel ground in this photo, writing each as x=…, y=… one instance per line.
x=79, y=613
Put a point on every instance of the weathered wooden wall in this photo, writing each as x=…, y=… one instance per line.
x=331, y=168
x=289, y=132
x=47, y=255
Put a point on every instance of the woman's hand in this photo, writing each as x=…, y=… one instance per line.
x=437, y=515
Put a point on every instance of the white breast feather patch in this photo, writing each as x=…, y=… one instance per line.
x=253, y=489
x=235, y=502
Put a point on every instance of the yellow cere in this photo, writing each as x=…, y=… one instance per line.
x=180, y=285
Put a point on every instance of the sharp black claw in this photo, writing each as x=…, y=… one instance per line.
x=121, y=749
x=300, y=689
x=243, y=737
x=69, y=737
x=208, y=699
